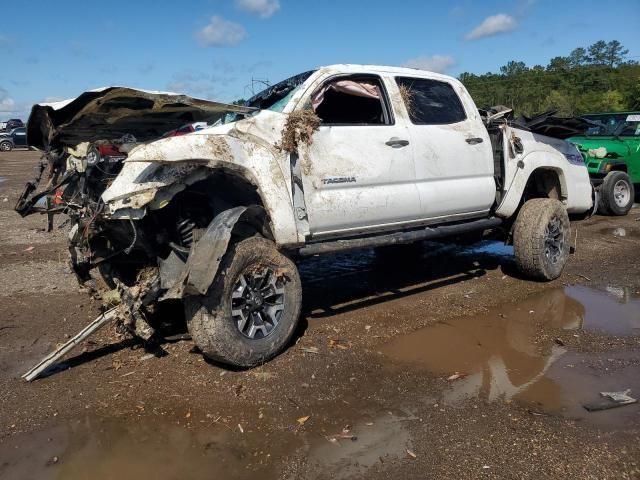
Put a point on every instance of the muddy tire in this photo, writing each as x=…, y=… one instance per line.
x=252, y=308
x=616, y=194
x=541, y=238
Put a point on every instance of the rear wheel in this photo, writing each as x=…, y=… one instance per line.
x=541, y=238
x=252, y=308
x=6, y=146
x=616, y=194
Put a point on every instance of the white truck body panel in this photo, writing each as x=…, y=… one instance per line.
x=246, y=147
x=548, y=153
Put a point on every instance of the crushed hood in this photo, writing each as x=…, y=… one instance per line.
x=546, y=123
x=112, y=112
x=558, y=127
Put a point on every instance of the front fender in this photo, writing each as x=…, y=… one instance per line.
x=155, y=172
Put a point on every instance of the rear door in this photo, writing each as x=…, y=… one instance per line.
x=358, y=174
x=452, y=150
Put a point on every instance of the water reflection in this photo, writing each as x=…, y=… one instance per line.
x=504, y=353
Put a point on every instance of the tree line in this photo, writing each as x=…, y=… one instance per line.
x=599, y=78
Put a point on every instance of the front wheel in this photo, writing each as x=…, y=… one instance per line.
x=6, y=146
x=541, y=237
x=616, y=194
x=251, y=310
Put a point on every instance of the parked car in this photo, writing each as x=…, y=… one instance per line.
x=15, y=138
x=185, y=129
x=13, y=123
x=611, y=150
x=336, y=159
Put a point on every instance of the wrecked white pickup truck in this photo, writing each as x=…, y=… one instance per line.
x=340, y=158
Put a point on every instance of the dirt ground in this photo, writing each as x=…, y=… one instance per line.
x=445, y=365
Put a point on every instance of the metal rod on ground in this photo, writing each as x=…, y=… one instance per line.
x=57, y=354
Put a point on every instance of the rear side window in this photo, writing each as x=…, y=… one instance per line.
x=430, y=102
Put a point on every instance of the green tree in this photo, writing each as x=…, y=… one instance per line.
x=513, y=68
x=557, y=100
x=615, y=53
x=577, y=57
x=598, y=53
x=596, y=78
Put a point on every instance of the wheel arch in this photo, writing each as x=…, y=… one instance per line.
x=538, y=176
x=546, y=182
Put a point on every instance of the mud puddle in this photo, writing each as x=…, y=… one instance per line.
x=504, y=355
x=140, y=448
x=375, y=440
x=156, y=447
x=620, y=232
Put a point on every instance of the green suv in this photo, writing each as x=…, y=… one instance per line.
x=611, y=150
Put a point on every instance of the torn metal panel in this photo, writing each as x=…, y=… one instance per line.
x=557, y=127
x=115, y=111
x=206, y=255
x=546, y=123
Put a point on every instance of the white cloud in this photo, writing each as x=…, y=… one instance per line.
x=264, y=8
x=220, y=32
x=433, y=63
x=493, y=25
x=7, y=104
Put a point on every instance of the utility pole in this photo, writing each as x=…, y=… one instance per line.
x=252, y=86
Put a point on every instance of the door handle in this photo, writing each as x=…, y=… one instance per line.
x=473, y=141
x=395, y=142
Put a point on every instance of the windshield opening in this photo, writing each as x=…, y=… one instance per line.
x=614, y=124
x=273, y=98
x=277, y=96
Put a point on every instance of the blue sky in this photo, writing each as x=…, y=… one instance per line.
x=212, y=48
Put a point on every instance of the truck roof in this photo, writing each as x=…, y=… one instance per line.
x=405, y=71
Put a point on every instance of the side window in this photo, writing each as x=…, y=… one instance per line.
x=430, y=102
x=352, y=101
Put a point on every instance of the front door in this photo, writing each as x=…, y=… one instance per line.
x=358, y=173
x=20, y=137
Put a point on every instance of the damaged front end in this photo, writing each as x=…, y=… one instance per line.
x=124, y=234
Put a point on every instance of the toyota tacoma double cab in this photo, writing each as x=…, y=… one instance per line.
x=335, y=159
x=611, y=149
